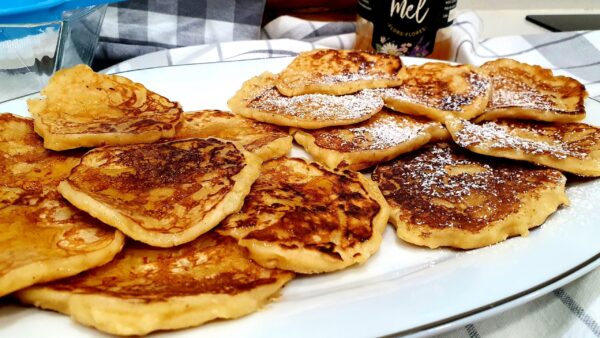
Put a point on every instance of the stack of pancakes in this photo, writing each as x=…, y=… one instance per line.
x=217, y=218
x=427, y=139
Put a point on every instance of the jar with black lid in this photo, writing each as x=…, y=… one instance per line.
x=405, y=27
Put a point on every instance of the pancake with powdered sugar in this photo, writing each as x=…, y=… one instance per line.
x=259, y=99
x=443, y=195
x=380, y=138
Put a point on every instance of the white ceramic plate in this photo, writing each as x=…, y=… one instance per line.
x=402, y=289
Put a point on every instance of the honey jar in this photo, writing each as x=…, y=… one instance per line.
x=405, y=27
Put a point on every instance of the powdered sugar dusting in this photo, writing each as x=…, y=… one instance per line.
x=445, y=186
x=319, y=107
x=353, y=77
x=429, y=169
x=513, y=93
x=387, y=132
x=383, y=131
x=496, y=136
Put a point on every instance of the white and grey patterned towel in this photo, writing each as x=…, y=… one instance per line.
x=575, y=54
x=137, y=27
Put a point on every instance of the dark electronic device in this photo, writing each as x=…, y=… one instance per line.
x=566, y=23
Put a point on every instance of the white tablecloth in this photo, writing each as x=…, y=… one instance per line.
x=570, y=311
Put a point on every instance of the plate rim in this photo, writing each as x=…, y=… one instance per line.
x=448, y=323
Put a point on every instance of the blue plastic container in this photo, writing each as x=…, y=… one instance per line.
x=39, y=37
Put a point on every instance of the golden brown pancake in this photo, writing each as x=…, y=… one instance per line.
x=380, y=138
x=302, y=217
x=440, y=91
x=42, y=237
x=147, y=289
x=443, y=195
x=264, y=140
x=85, y=109
x=523, y=91
x=338, y=72
x=258, y=99
x=571, y=147
x=163, y=194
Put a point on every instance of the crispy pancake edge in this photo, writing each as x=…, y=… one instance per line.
x=231, y=203
x=49, y=269
x=61, y=142
x=278, y=148
x=528, y=114
x=128, y=318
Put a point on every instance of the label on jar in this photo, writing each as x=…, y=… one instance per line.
x=365, y=10
x=408, y=27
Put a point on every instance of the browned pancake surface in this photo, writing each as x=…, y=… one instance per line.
x=145, y=289
x=212, y=264
x=558, y=140
x=256, y=137
x=84, y=109
x=312, y=219
x=443, y=186
x=126, y=177
x=305, y=208
x=437, y=90
x=42, y=236
x=25, y=164
x=338, y=72
x=380, y=138
x=383, y=131
x=49, y=229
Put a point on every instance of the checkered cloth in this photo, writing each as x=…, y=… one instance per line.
x=574, y=54
x=570, y=311
x=137, y=27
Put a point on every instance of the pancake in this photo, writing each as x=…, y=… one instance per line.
x=264, y=140
x=42, y=237
x=85, y=109
x=259, y=100
x=380, y=138
x=571, y=147
x=304, y=218
x=147, y=289
x=338, y=72
x=440, y=91
x=523, y=91
x=443, y=195
x=163, y=194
